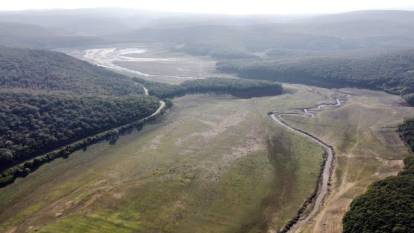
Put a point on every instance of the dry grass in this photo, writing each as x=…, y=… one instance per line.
x=207, y=167
x=368, y=149
x=204, y=168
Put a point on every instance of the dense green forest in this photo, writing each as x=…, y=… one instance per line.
x=49, y=100
x=32, y=124
x=54, y=71
x=392, y=72
x=236, y=87
x=388, y=205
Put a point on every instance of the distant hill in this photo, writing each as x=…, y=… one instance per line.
x=394, y=16
x=365, y=29
x=326, y=33
x=50, y=29
x=89, y=22
x=215, y=34
x=26, y=35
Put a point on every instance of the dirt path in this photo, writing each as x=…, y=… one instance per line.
x=311, y=207
x=158, y=111
x=146, y=92
x=160, y=108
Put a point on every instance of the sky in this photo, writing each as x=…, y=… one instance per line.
x=218, y=6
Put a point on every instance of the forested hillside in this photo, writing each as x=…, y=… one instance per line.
x=393, y=72
x=49, y=100
x=388, y=205
x=53, y=71
x=32, y=123
x=235, y=87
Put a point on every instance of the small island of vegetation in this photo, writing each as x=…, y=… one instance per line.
x=240, y=88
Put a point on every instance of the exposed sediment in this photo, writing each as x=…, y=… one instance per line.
x=315, y=201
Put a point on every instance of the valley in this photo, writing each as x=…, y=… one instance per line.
x=173, y=176
x=216, y=164
x=214, y=119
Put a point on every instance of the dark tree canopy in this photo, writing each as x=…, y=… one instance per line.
x=236, y=87
x=407, y=133
x=53, y=71
x=392, y=72
x=388, y=205
x=49, y=100
x=32, y=123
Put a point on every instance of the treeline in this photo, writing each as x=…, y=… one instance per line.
x=388, y=205
x=215, y=51
x=236, y=87
x=54, y=71
x=393, y=73
x=52, y=104
x=406, y=131
x=23, y=169
x=33, y=124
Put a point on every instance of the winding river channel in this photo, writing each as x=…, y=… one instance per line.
x=107, y=58
x=311, y=207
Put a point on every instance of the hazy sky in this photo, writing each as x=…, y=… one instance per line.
x=218, y=6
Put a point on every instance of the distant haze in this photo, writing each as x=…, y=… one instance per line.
x=219, y=6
